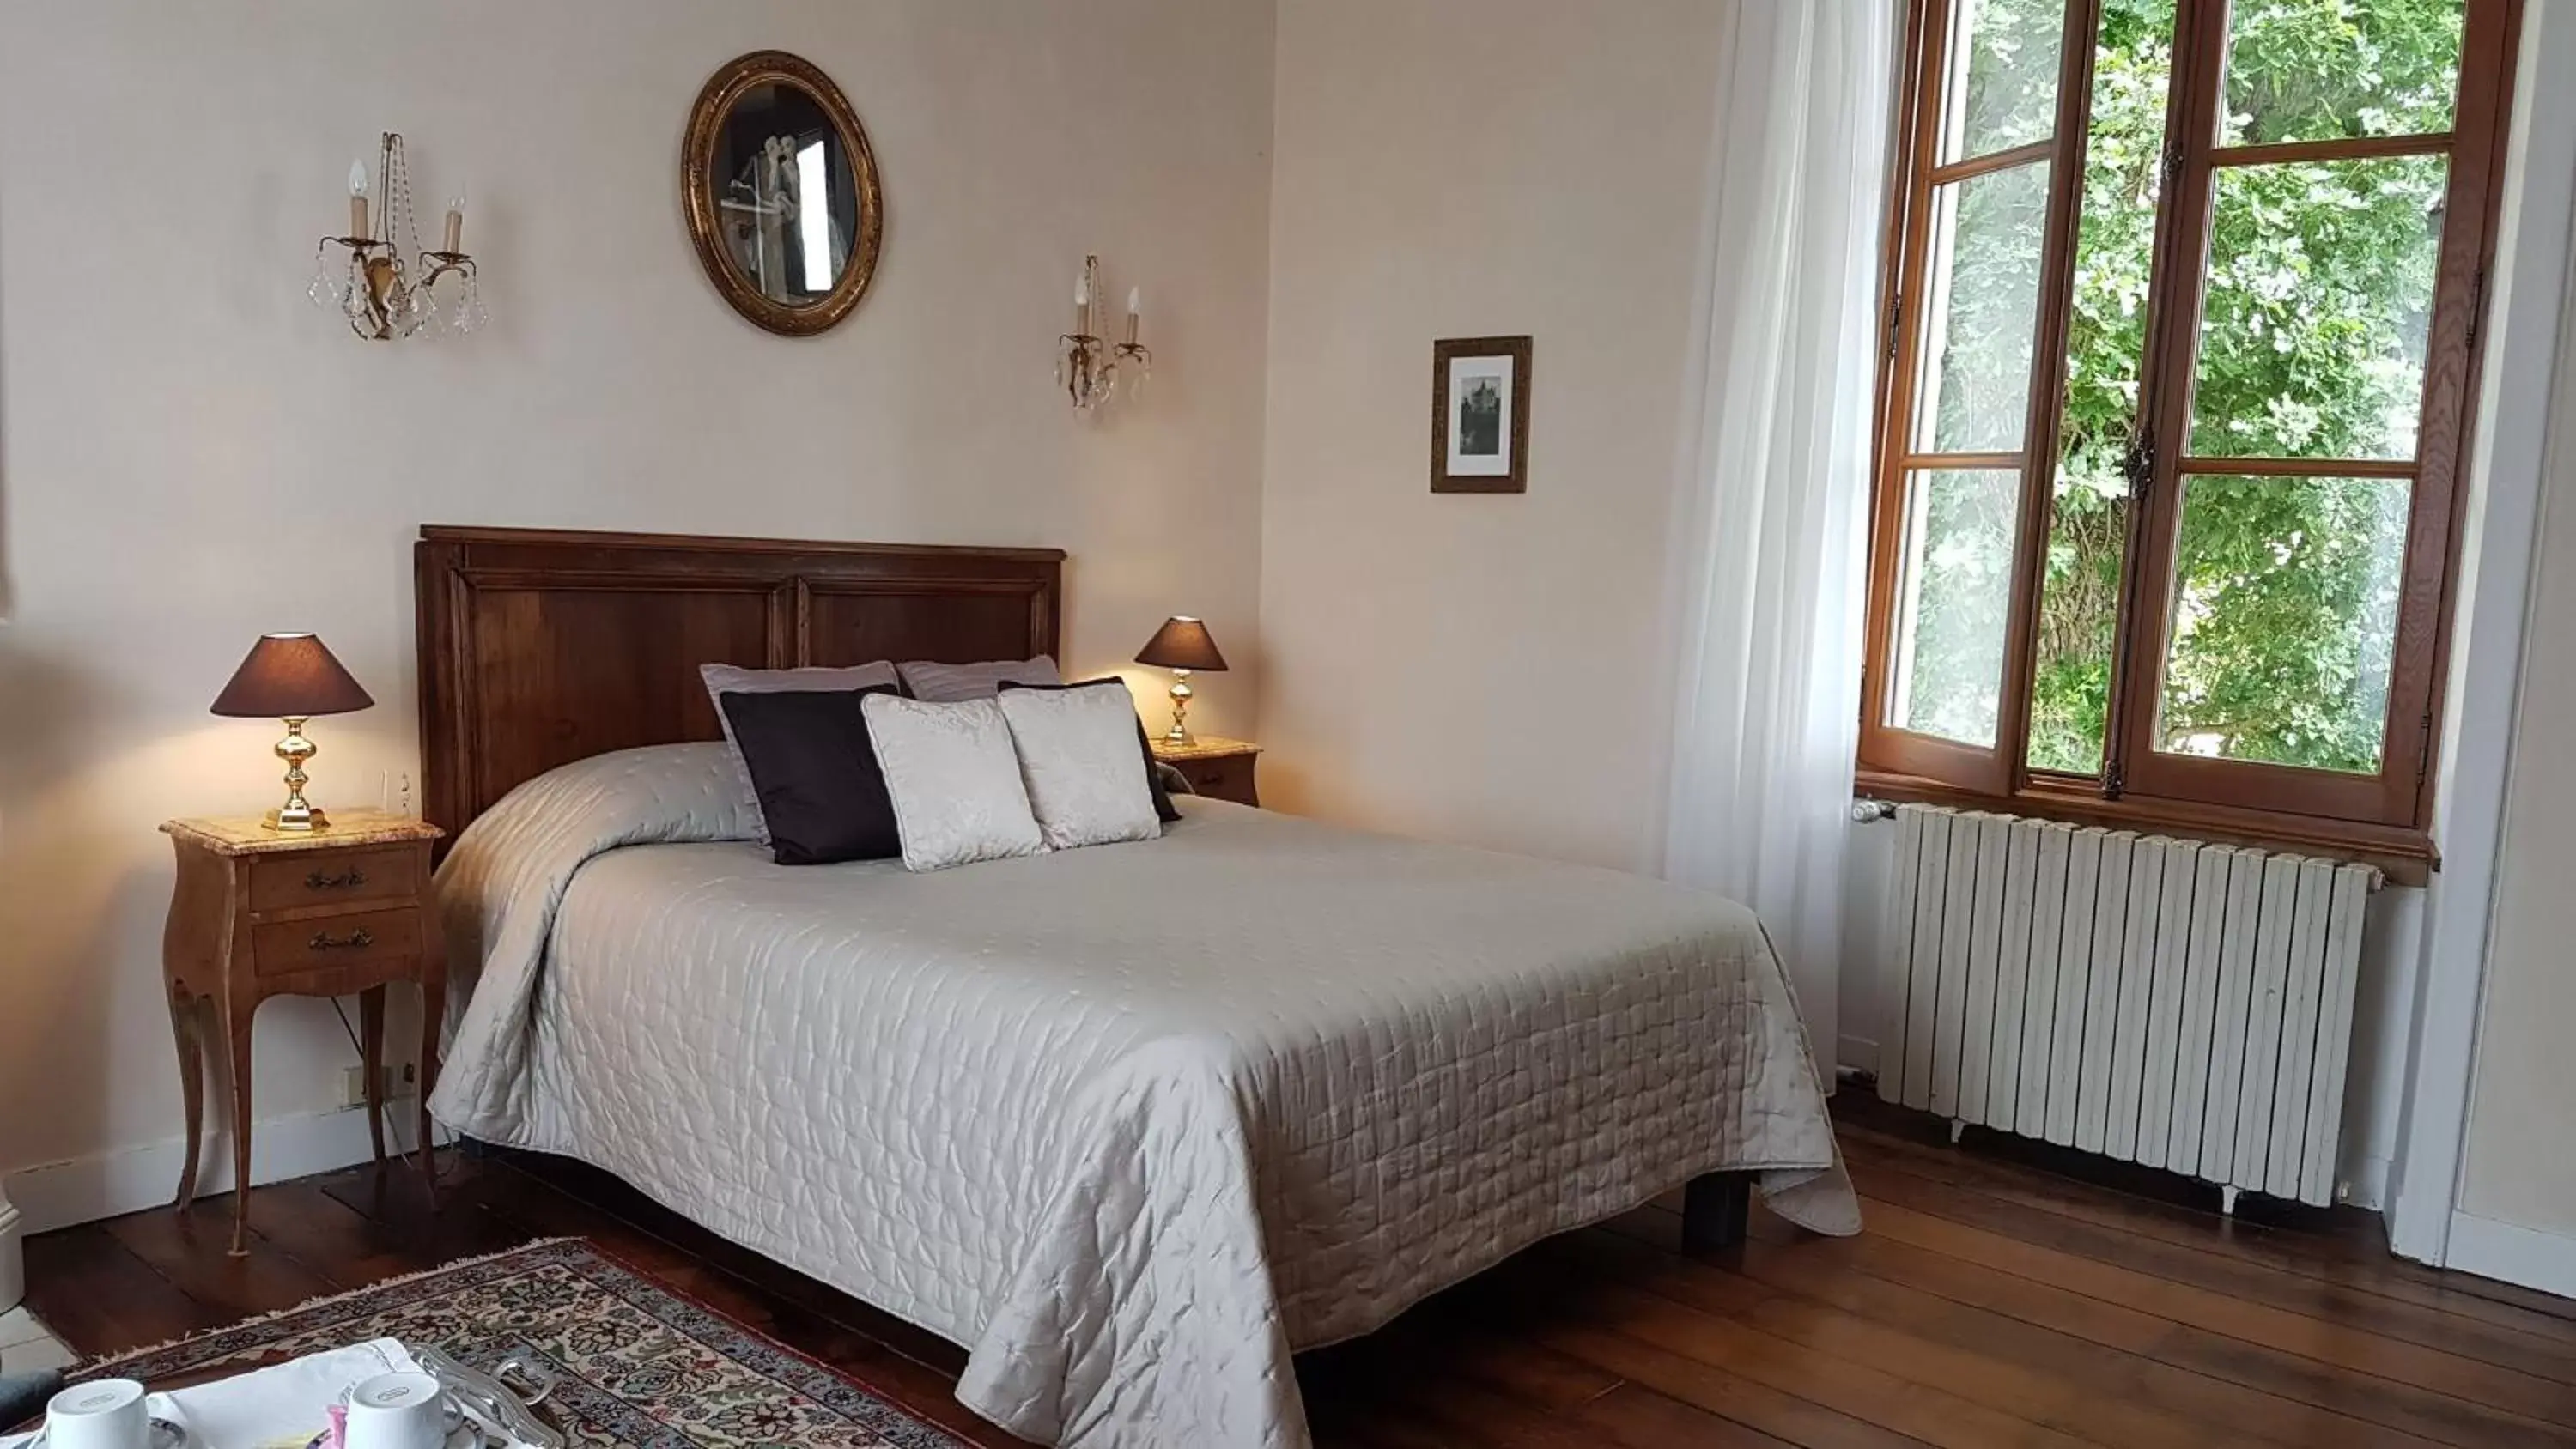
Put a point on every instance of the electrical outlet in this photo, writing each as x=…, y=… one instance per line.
x=394, y=795
x=353, y=1084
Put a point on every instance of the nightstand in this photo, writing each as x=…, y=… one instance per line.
x=1220, y=769
x=258, y=913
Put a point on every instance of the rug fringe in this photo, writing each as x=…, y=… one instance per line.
x=91, y=1366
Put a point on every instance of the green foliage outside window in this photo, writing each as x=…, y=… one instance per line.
x=2318, y=290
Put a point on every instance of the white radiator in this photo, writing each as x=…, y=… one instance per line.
x=2181, y=1005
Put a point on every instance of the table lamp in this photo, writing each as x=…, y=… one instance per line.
x=291, y=677
x=1181, y=645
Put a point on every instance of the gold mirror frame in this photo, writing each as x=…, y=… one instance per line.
x=697, y=187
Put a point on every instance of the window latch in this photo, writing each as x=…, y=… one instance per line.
x=2139, y=464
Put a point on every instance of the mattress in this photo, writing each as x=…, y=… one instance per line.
x=1133, y=1122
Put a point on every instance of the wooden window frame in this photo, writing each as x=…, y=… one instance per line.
x=2385, y=817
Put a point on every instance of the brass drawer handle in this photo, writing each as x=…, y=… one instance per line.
x=357, y=940
x=317, y=881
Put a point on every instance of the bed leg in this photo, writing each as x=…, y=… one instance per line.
x=1714, y=1208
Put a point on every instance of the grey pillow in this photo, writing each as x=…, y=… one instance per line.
x=954, y=778
x=724, y=679
x=935, y=683
x=1078, y=758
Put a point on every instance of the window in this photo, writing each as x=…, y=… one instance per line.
x=2182, y=315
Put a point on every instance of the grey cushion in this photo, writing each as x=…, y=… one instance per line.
x=724, y=679
x=1079, y=760
x=955, y=781
x=937, y=683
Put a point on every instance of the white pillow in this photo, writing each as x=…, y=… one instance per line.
x=954, y=780
x=1079, y=760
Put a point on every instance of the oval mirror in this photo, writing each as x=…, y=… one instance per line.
x=782, y=196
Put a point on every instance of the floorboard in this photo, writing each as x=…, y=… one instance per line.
x=2003, y=1294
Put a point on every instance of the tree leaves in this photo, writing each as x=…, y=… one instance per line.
x=2318, y=291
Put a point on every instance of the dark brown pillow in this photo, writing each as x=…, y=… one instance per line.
x=816, y=774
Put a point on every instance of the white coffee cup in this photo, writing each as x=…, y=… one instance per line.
x=100, y=1414
x=397, y=1411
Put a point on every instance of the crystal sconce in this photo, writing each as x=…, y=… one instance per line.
x=1088, y=366
x=380, y=295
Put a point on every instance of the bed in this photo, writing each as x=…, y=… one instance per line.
x=1133, y=1122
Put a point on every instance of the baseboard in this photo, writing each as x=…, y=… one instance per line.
x=58, y=1194
x=2511, y=1253
x=2365, y=1184
x=13, y=1260
x=1858, y=1053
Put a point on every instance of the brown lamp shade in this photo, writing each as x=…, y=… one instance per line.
x=290, y=676
x=1182, y=643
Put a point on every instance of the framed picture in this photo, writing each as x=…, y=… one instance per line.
x=1480, y=390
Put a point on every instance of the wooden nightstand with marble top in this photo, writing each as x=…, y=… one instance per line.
x=338, y=911
x=1218, y=768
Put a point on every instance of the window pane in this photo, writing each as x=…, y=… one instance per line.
x=2001, y=86
x=2319, y=297
x=2284, y=620
x=2106, y=341
x=2316, y=70
x=1980, y=308
x=1953, y=594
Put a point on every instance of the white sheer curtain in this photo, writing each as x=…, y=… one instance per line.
x=1772, y=535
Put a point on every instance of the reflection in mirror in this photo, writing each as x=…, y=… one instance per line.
x=784, y=194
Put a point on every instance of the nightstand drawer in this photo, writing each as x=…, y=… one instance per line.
x=322, y=943
x=1221, y=777
x=331, y=878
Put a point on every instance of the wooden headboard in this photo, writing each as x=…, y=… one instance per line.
x=539, y=647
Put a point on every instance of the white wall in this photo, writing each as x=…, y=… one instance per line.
x=2519, y=1165
x=1491, y=669
x=191, y=454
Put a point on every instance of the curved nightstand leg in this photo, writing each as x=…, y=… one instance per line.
x=371, y=1060
x=237, y=1018
x=187, y=1025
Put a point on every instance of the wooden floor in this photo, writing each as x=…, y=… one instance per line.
x=1990, y=1302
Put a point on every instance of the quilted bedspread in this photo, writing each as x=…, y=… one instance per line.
x=1132, y=1121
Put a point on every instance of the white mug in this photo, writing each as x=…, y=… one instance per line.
x=100, y=1414
x=398, y=1411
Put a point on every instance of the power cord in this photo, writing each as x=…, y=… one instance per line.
x=385, y=1122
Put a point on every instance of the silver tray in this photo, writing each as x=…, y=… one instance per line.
x=491, y=1399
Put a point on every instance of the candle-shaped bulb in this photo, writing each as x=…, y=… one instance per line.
x=1082, y=288
x=456, y=222
x=1135, y=300
x=358, y=200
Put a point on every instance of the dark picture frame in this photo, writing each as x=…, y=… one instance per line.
x=1480, y=401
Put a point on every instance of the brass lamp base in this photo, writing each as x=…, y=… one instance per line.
x=1179, y=733
x=297, y=815
x=293, y=818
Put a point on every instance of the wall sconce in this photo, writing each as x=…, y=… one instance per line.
x=1086, y=366
x=372, y=288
